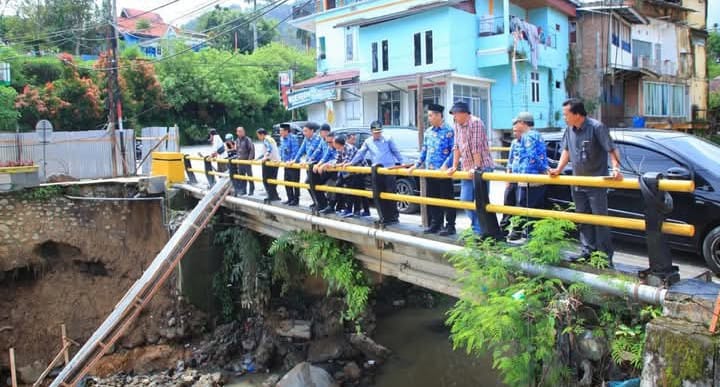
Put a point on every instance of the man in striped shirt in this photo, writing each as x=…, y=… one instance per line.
x=471, y=148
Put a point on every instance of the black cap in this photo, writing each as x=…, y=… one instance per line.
x=261, y=131
x=325, y=127
x=285, y=126
x=376, y=126
x=460, y=107
x=433, y=107
x=340, y=140
x=312, y=126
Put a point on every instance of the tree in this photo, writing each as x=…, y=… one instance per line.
x=70, y=103
x=227, y=22
x=214, y=88
x=713, y=54
x=8, y=114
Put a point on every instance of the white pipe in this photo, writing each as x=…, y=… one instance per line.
x=612, y=286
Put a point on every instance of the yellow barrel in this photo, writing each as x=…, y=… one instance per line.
x=170, y=165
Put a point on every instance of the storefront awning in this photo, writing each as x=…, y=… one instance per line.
x=407, y=79
x=337, y=76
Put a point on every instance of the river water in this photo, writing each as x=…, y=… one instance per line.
x=422, y=354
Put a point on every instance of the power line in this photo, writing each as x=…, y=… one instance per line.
x=232, y=56
x=269, y=8
x=56, y=33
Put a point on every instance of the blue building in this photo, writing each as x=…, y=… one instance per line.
x=149, y=31
x=501, y=57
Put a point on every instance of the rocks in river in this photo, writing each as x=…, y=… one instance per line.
x=352, y=371
x=325, y=349
x=300, y=329
x=591, y=346
x=369, y=348
x=187, y=378
x=304, y=375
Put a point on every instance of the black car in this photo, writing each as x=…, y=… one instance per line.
x=674, y=154
x=406, y=139
x=295, y=128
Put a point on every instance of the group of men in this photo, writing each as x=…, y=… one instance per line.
x=462, y=146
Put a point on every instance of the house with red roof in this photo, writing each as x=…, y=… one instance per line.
x=150, y=32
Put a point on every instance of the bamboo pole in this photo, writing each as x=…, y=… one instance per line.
x=13, y=374
x=63, y=343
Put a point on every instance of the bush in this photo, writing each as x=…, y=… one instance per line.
x=39, y=71
x=8, y=112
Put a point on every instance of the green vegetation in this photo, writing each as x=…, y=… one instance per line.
x=41, y=193
x=331, y=259
x=244, y=276
x=519, y=319
x=236, y=22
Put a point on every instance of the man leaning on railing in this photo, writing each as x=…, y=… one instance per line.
x=587, y=144
x=470, y=148
x=381, y=150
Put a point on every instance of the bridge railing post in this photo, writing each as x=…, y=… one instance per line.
x=375, y=182
x=188, y=167
x=312, y=182
x=488, y=220
x=658, y=204
x=208, y=168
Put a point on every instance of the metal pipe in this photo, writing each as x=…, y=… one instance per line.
x=612, y=286
x=588, y=181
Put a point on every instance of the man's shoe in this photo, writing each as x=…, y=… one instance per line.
x=365, y=213
x=240, y=193
x=431, y=230
x=287, y=202
x=390, y=222
x=327, y=210
x=579, y=257
x=294, y=203
x=514, y=236
x=449, y=230
x=347, y=214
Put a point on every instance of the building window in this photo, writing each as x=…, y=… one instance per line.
x=389, y=107
x=418, y=49
x=350, y=44
x=664, y=100
x=429, y=95
x=476, y=98
x=353, y=109
x=321, y=44
x=535, y=86
x=428, y=47
x=558, y=84
x=374, y=58
x=385, y=55
x=573, y=32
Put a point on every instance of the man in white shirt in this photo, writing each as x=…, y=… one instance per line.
x=271, y=153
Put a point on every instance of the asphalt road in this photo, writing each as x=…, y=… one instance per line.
x=634, y=254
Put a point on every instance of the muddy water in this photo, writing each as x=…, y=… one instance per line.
x=423, y=355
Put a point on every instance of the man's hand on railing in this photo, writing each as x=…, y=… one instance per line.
x=553, y=172
x=451, y=170
x=411, y=168
x=617, y=175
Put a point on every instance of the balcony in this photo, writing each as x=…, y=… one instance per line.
x=494, y=40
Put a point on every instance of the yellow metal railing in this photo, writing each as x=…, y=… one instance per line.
x=586, y=181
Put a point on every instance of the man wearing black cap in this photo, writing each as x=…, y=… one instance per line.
x=310, y=145
x=436, y=154
x=288, y=148
x=382, y=151
x=471, y=149
x=271, y=153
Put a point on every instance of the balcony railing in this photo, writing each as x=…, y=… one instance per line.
x=491, y=25
x=320, y=6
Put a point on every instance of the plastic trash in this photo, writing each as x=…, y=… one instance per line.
x=625, y=383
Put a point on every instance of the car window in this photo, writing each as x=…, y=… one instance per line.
x=638, y=160
x=552, y=150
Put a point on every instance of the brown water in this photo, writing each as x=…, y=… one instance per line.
x=423, y=354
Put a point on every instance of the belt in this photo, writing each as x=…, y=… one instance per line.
x=530, y=184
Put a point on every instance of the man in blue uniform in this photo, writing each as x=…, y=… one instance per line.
x=383, y=151
x=310, y=145
x=288, y=148
x=437, y=153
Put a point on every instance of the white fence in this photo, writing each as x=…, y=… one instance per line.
x=81, y=154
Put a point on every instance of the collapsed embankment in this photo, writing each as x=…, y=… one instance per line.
x=68, y=261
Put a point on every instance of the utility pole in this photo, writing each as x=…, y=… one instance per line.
x=111, y=82
x=113, y=86
x=254, y=26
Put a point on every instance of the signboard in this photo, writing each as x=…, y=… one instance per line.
x=285, y=83
x=311, y=95
x=44, y=130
